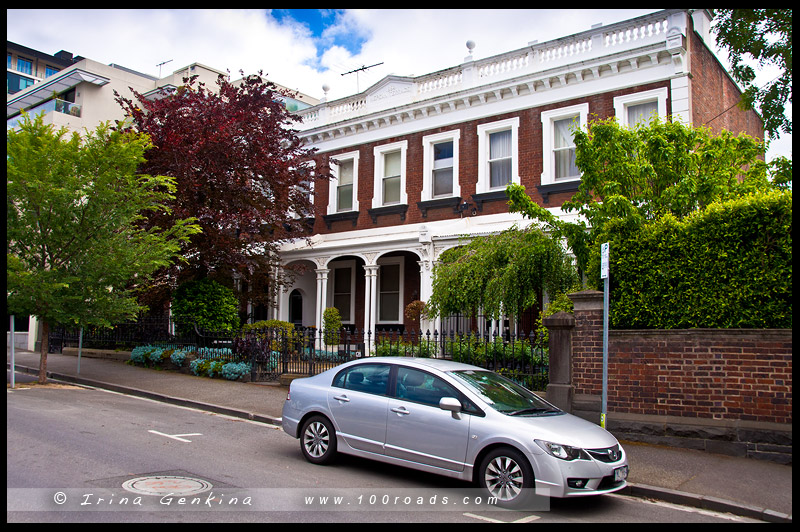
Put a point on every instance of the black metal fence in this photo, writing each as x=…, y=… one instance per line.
x=272, y=352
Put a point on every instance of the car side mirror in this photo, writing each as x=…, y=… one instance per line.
x=451, y=404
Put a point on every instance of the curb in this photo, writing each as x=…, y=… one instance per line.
x=178, y=401
x=644, y=491
x=705, y=502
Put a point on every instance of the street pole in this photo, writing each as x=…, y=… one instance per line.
x=604, y=274
x=80, y=348
x=12, y=351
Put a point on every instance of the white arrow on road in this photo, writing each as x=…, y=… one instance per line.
x=176, y=436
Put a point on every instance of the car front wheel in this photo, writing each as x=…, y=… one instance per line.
x=318, y=440
x=506, y=475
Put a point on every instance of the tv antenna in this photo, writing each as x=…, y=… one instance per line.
x=360, y=69
x=162, y=64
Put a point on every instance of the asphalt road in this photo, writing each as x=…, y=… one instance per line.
x=83, y=455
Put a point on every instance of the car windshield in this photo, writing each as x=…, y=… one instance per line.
x=504, y=395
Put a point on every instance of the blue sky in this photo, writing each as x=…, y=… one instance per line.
x=319, y=22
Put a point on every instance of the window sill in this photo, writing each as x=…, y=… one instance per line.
x=555, y=188
x=400, y=209
x=496, y=195
x=339, y=216
x=452, y=202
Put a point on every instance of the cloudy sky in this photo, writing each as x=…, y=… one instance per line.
x=301, y=49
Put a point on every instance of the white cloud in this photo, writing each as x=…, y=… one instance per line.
x=407, y=42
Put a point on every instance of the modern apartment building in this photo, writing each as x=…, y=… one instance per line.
x=81, y=95
x=422, y=162
x=27, y=66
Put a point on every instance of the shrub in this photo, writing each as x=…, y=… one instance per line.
x=415, y=310
x=206, y=367
x=178, y=358
x=140, y=354
x=389, y=348
x=728, y=266
x=277, y=331
x=235, y=370
x=215, y=368
x=157, y=355
x=208, y=304
x=331, y=324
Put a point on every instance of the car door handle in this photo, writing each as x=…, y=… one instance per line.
x=342, y=398
x=401, y=410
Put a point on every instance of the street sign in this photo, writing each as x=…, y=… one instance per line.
x=604, y=261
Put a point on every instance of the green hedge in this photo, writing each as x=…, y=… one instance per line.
x=728, y=266
x=212, y=306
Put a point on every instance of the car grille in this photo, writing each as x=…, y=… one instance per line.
x=607, y=455
x=608, y=483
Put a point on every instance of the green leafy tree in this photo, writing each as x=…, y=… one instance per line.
x=76, y=254
x=500, y=274
x=207, y=304
x=240, y=167
x=640, y=174
x=763, y=36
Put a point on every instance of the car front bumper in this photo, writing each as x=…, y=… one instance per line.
x=580, y=478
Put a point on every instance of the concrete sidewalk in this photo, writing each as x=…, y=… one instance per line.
x=741, y=486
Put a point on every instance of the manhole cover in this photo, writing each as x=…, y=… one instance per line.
x=166, y=484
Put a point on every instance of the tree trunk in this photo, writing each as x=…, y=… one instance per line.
x=43, y=352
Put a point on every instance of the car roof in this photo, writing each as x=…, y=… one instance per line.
x=434, y=363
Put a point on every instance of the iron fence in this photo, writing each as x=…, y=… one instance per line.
x=272, y=352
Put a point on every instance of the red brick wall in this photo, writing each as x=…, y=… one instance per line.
x=530, y=164
x=736, y=374
x=715, y=95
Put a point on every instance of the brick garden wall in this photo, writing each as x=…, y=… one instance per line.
x=722, y=390
x=742, y=374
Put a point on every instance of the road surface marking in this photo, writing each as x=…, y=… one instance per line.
x=526, y=519
x=176, y=436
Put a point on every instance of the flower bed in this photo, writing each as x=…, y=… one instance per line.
x=205, y=362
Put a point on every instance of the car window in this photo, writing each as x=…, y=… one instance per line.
x=421, y=387
x=504, y=395
x=369, y=378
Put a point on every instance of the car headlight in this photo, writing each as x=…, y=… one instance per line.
x=564, y=452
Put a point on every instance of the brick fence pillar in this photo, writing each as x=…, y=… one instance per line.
x=560, y=390
x=587, y=342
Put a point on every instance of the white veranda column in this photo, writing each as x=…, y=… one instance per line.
x=322, y=295
x=370, y=300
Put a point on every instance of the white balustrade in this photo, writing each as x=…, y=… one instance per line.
x=584, y=46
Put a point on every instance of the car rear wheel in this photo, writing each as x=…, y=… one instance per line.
x=318, y=440
x=506, y=475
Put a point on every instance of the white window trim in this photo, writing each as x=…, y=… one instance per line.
x=621, y=103
x=484, y=130
x=427, y=162
x=377, y=191
x=383, y=262
x=548, y=118
x=332, y=196
x=333, y=267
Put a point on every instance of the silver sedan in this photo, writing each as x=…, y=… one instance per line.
x=456, y=420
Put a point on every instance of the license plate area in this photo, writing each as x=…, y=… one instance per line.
x=620, y=474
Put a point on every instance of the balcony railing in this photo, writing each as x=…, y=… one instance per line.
x=54, y=105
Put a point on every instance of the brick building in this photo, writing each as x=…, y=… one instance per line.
x=421, y=162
